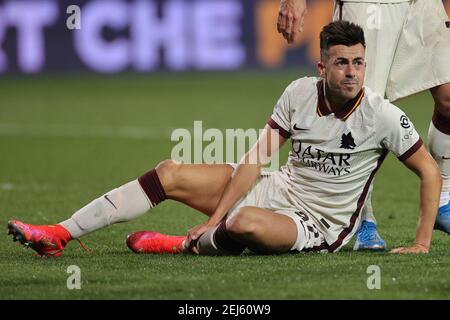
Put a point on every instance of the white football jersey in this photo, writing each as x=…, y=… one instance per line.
x=334, y=157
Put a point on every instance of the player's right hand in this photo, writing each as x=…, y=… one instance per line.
x=291, y=16
x=195, y=233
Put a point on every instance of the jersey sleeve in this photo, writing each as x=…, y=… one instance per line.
x=280, y=119
x=397, y=133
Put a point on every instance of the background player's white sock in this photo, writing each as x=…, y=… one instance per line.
x=439, y=144
x=445, y=196
x=367, y=211
x=119, y=205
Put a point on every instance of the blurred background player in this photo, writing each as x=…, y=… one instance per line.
x=408, y=51
x=341, y=133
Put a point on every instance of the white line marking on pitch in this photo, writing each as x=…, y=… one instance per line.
x=7, y=186
x=94, y=131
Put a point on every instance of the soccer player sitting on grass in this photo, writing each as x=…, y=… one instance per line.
x=340, y=133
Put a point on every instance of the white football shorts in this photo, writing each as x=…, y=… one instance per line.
x=270, y=192
x=407, y=44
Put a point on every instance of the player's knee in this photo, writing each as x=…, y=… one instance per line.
x=442, y=100
x=167, y=171
x=444, y=108
x=244, y=222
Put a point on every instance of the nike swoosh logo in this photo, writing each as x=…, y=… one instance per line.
x=445, y=158
x=300, y=129
x=109, y=200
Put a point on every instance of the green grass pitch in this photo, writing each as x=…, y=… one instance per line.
x=66, y=140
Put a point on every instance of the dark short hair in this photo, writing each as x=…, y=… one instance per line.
x=340, y=32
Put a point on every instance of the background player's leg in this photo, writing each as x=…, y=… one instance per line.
x=439, y=144
x=367, y=236
x=261, y=230
x=199, y=186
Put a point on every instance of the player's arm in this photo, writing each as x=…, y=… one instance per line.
x=425, y=167
x=248, y=171
x=291, y=15
x=244, y=176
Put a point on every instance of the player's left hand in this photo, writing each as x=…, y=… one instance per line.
x=416, y=248
x=195, y=233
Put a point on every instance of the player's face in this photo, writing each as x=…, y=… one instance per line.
x=344, y=70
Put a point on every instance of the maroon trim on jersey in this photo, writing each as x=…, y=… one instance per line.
x=441, y=122
x=152, y=187
x=344, y=233
x=322, y=108
x=350, y=106
x=285, y=134
x=411, y=150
